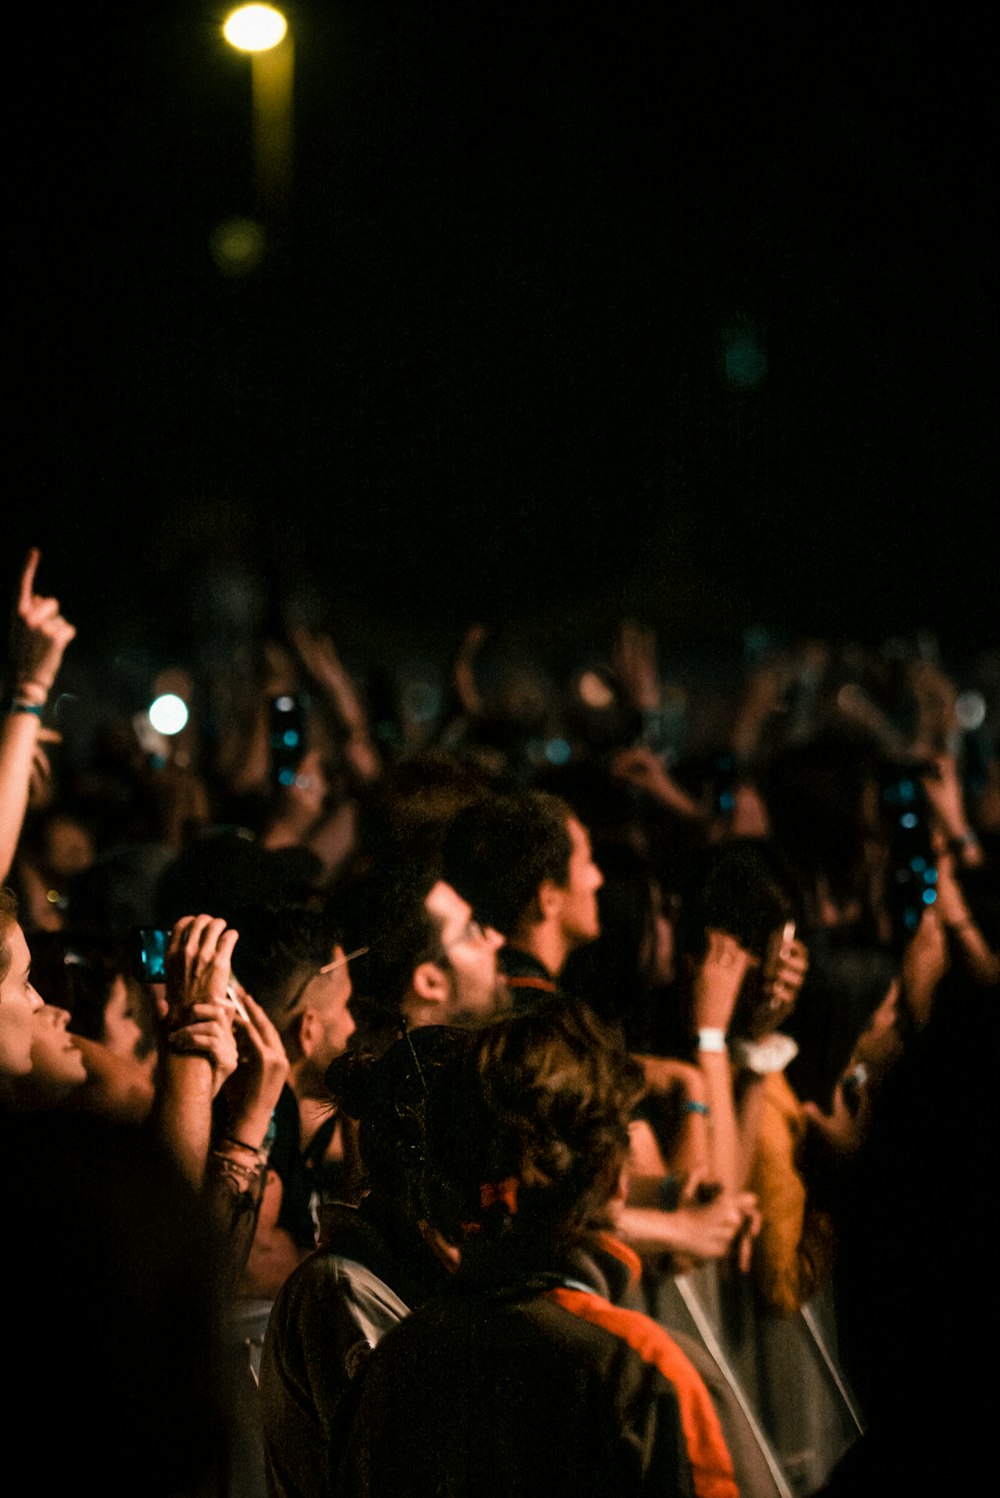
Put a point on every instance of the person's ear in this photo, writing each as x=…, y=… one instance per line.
x=307, y=1031
x=430, y=983
x=550, y=898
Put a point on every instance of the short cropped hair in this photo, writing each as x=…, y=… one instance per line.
x=541, y=1105
x=276, y=947
x=8, y=917
x=499, y=851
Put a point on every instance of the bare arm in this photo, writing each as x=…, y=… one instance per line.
x=39, y=640
x=200, y=1050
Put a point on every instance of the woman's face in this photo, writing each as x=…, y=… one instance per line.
x=54, y=1056
x=122, y=1031
x=18, y=1003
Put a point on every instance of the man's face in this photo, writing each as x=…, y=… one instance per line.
x=578, y=913
x=18, y=1002
x=326, y=996
x=471, y=953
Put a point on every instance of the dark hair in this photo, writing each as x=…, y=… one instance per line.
x=389, y=1096
x=498, y=853
x=742, y=887
x=814, y=794
x=543, y=1101
x=275, y=948
x=8, y=917
x=77, y=970
x=614, y=974
x=385, y=912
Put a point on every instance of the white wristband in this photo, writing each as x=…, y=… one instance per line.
x=712, y=1040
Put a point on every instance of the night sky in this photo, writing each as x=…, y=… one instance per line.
x=682, y=311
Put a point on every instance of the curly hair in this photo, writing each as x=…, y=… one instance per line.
x=539, y=1107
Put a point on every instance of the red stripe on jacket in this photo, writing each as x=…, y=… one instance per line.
x=711, y=1464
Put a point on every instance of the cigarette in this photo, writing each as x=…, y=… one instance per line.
x=237, y=1004
x=343, y=961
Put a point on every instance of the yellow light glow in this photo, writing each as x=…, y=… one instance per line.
x=255, y=28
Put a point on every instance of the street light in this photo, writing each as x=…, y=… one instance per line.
x=263, y=32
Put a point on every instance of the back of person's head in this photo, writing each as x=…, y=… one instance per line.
x=389, y=1096
x=815, y=797
x=412, y=807
x=742, y=887
x=528, y=1138
x=278, y=950
x=616, y=973
x=226, y=869
x=499, y=851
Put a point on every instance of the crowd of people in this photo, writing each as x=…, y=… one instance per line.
x=559, y=1092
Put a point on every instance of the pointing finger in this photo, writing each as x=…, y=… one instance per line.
x=28, y=577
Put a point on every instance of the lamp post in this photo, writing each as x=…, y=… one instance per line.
x=263, y=32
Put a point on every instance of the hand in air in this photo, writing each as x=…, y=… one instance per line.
x=200, y=1007
x=41, y=634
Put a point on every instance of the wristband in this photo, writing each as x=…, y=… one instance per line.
x=35, y=708
x=713, y=1041
x=261, y=1153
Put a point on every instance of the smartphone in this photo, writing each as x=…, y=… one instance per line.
x=147, y=950
x=287, y=736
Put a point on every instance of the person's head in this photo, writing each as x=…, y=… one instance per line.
x=430, y=962
x=523, y=861
x=743, y=888
x=57, y=1065
x=633, y=956
x=528, y=1141
x=18, y=999
x=292, y=962
x=90, y=976
x=389, y=1095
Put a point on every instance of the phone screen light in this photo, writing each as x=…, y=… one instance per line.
x=168, y=714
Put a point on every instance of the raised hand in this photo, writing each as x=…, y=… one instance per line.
x=253, y=1092
x=200, y=1010
x=718, y=981
x=41, y=635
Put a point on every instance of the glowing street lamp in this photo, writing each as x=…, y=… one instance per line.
x=263, y=32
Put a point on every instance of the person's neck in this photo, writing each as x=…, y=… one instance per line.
x=546, y=944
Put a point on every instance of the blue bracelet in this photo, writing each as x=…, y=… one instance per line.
x=692, y=1107
x=26, y=707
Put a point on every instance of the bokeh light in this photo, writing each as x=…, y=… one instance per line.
x=168, y=714
x=255, y=28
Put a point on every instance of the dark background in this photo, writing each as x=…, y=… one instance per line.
x=685, y=312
